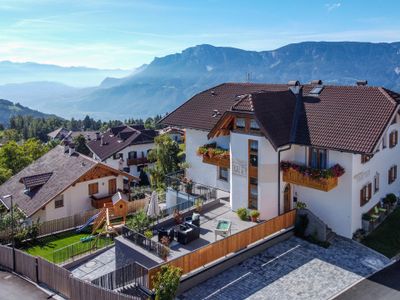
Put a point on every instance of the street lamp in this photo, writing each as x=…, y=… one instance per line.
x=12, y=226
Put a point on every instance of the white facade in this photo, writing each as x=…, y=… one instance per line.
x=339, y=208
x=76, y=199
x=142, y=151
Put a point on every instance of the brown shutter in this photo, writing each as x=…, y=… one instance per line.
x=394, y=172
x=361, y=197
x=369, y=191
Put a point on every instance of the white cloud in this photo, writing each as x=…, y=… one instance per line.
x=332, y=6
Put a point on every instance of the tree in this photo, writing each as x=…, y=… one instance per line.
x=5, y=174
x=165, y=156
x=12, y=157
x=34, y=149
x=80, y=145
x=166, y=282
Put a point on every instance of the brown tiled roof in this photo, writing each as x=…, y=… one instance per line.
x=36, y=180
x=347, y=118
x=118, y=138
x=64, y=170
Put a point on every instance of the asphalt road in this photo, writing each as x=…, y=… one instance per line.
x=14, y=288
x=384, y=285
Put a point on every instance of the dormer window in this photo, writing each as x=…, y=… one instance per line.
x=240, y=123
x=254, y=125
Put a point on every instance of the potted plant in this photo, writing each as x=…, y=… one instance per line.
x=199, y=205
x=188, y=185
x=300, y=205
x=178, y=217
x=166, y=282
x=242, y=214
x=165, y=250
x=391, y=200
x=367, y=222
x=254, y=214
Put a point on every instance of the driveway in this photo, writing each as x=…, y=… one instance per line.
x=293, y=269
x=14, y=288
x=384, y=285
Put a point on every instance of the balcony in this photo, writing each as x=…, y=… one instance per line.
x=217, y=161
x=137, y=161
x=214, y=155
x=319, y=179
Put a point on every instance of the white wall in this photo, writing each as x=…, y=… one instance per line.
x=267, y=174
x=198, y=171
x=133, y=168
x=76, y=199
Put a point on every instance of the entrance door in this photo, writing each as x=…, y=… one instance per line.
x=112, y=186
x=287, y=198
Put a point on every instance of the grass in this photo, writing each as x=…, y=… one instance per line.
x=46, y=246
x=386, y=238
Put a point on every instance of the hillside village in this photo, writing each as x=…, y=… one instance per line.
x=238, y=169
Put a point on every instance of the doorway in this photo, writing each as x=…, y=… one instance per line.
x=287, y=198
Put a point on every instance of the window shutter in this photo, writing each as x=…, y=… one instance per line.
x=394, y=172
x=369, y=191
x=362, y=197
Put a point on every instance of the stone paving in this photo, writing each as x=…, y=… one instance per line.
x=101, y=264
x=293, y=269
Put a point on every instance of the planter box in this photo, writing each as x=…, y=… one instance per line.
x=220, y=162
x=367, y=226
x=295, y=177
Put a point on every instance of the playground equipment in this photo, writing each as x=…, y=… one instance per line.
x=117, y=208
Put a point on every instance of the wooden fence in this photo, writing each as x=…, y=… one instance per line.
x=230, y=244
x=71, y=222
x=56, y=278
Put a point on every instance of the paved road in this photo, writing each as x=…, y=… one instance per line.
x=14, y=288
x=384, y=285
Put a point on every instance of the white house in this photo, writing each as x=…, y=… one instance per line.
x=270, y=145
x=62, y=183
x=124, y=147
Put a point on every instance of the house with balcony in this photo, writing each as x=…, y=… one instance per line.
x=63, y=183
x=124, y=147
x=333, y=148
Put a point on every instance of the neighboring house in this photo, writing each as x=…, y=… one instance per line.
x=124, y=147
x=176, y=134
x=62, y=183
x=68, y=136
x=279, y=138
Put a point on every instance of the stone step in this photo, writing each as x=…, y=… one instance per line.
x=330, y=236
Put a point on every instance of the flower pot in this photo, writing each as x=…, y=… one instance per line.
x=367, y=226
x=254, y=219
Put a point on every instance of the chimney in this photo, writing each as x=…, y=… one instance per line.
x=71, y=149
x=97, y=136
x=102, y=140
x=362, y=82
x=66, y=147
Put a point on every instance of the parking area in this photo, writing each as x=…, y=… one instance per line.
x=13, y=287
x=293, y=269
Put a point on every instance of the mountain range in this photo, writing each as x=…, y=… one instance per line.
x=8, y=109
x=168, y=81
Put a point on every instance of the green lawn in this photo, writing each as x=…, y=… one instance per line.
x=45, y=247
x=386, y=238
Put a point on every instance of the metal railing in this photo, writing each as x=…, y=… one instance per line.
x=131, y=274
x=79, y=248
x=144, y=242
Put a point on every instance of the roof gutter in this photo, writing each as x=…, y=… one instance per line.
x=279, y=176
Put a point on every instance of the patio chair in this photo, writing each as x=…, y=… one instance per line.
x=378, y=210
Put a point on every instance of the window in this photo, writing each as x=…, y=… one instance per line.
x=393, y=137
x=365, y=158
x=392, y=174
x=317, y=158
x=223, y=173
x=253, y=153
x=253, y=193
x=365, y=194
x=132, y=155
x=240, y=123
x=118, y=155
x=127, y=169
x=93, y=188
x=254, y=125
x=376, y=183
x=59, y=201
x=384, y=142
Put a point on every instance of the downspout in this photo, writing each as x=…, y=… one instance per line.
x=297, y=90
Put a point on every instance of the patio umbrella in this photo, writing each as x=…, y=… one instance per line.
x=153, y=209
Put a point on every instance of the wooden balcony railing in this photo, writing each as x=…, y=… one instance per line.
x=295, y=177
x=217, y=161
x=137, y=161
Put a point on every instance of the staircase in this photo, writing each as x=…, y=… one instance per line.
x=317, y=226
x=330, y=235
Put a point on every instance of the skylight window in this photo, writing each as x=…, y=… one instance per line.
x=316, y=91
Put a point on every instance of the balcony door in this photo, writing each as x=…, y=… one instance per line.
x=112, y=186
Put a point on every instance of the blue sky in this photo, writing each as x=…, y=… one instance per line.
x=126, y=34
